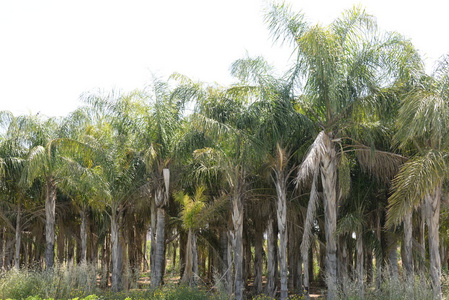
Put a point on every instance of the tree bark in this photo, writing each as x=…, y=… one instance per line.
x=153, y=237
x=83, y=235
x=156, y=279
x=116, y=282
x=50, y=206
x=393, y=256
x=360, y=262
x=433, y=203
x=191, y=260
x=422, y=239
x=258, y=259
x=281, y=191
x=329, y=181
x=237, y=220
x=271, y=261
x=18, y=237
x=379, y=257
x=408, y=255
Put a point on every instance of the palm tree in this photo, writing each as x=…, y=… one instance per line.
x=223, y=115
x=339, y=69
x=280, y=126
x=422, y=127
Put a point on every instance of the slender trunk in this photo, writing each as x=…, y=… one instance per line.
x=329, y=181
x=83, y=234
x=306, y=281
x=50, y=206
x=153, y=237
x=230, y=260
x=116, y=283
x=281, y=190
x=237, y=220
x=191, y=260
x=360, y=262
x=343, y=263
x=433, y=221
x=271, y=262
x=408, y=256
x=223, y=266
x=258, y=259
x=156, y=280
x=175, y=250
x=299, y=277
x=182, y=252
x=160, y=200
x=379, y=258
x=105, y=263
x=2, y=248
x=393, y=256
x=369, y=265
x=422, y=240
x=18, y=237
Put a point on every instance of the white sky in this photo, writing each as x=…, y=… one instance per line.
x=52, y=51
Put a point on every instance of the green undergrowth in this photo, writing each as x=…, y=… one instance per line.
x=80, y=283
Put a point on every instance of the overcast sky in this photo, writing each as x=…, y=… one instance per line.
x=52, y=51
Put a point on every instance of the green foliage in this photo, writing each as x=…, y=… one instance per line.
x=191, y=207
x=62, y=283
x=391, y=289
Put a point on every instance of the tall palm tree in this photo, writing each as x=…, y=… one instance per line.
x=339, y=69
x=223, y=114
x=422, y=126
x=50, y=159
x=114, y=135
x=280, y=126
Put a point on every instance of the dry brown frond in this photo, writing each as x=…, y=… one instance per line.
x=381, y=164
x=313, y=158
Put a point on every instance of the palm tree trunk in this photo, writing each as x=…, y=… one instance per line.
x=157, y=275
x=281, y=190
x=422, y=239
x=433, y=222
x=237, y=220
x=83, y=234
x=393, y=256
x=18, y=237
x=408, y=256
x=271, y=261
x=379, y=258
x=50, y=206
x=191, y=266
x=306, y=281
x=360, y=262
x=229, y=255
x=258, y=258
x=329, y=181
x=153, y=237
x=115, y=243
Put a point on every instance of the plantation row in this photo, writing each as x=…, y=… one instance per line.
x=329, y=178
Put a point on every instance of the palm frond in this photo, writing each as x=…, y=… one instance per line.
x=310, y=217
x=418, y=177
x=381, y=164
x=285, y=26
x=313, y=158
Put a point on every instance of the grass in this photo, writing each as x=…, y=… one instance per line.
x=80, y=283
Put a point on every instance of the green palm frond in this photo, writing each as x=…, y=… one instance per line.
x=418, y=177
x=285, y=26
